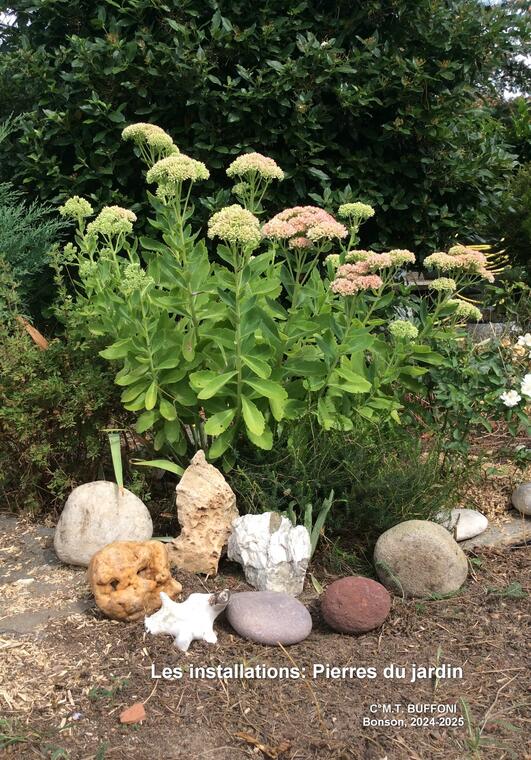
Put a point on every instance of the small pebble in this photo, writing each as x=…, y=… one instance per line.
x=134, y=714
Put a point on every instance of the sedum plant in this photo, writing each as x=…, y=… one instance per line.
x=230, y=334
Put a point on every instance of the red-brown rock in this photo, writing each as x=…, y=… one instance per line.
x=134, y=714
x=355, y=605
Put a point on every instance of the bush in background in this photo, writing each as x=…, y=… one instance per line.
x=513, y=222
x=27, y=234
x=386, y=96
x=54, y=404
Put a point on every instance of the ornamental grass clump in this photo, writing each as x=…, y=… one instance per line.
x=221, y=338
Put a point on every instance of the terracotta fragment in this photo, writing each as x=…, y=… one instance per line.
x=134, y=714
x=126, y=578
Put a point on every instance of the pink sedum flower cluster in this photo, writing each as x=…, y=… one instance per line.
x=349, y=280
x=301, y=226
x=460, y=258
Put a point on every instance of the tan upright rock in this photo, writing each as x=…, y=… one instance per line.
x=206, y=507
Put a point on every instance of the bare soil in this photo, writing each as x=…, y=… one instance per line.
x=65, y=680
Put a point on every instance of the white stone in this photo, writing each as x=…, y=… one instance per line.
x=467, y=523
x=274, y=554
x=96, y=514
x=190, y=620
x=521, y=498
x=23, y=582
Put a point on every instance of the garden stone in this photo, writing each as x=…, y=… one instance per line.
x=96, y=514
x=127, y=578
x=466, y=523
x=206, y=507
x=521, y=498
x=419, y=558
x=269, y=617
x=274, y=554
x=355, y=605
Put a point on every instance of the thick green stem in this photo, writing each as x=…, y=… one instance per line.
x=147, y=339
x=237, y=325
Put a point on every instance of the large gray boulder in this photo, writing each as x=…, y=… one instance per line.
x=274, y=554
x=96, y=514
x=419, y=558
x=521, y=498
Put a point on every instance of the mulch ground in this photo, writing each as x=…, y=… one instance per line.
x=62, y=688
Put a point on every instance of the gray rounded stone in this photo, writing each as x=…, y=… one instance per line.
x=521, y=498
x=269, y=617
x=467, y=523
x=419, y=558
x=96, y=514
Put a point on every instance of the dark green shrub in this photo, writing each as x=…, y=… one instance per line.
x=513, y=223
x=27, y=232
x=381, y=94
x=380, y=476
x=54, y=405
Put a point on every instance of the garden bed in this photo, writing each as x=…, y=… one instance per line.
x=66, y=679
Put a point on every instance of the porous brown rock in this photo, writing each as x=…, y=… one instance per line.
x=355, y=605
x=126, y=578
x=206, y=507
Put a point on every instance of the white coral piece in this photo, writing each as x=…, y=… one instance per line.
x=189, y=620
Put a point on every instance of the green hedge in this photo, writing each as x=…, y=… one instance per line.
x=382, y=95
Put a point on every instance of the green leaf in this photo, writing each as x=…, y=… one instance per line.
x=170, y=362
x=167, y=410
x=161, y=464
x=352, y=382
x=221, y=444
x=116, y=455
x=146, y=420
x=150, y=244
x=326, y=413
x=264, y=441
x=278, y=408
x=383, y=403
x=117, y=350
x=269, y=389
x=429, y=357
x=215, y=385
x=151, y=396
x=172, y=429
x=128, y=377
x=413, y=371
x=315, y=583
x=134, y=391
x=219, y=422
x=253, y=417
x=258, y=366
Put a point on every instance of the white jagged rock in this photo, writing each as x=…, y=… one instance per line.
x=274, y=554
x=467, y=523
x=190, y=620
